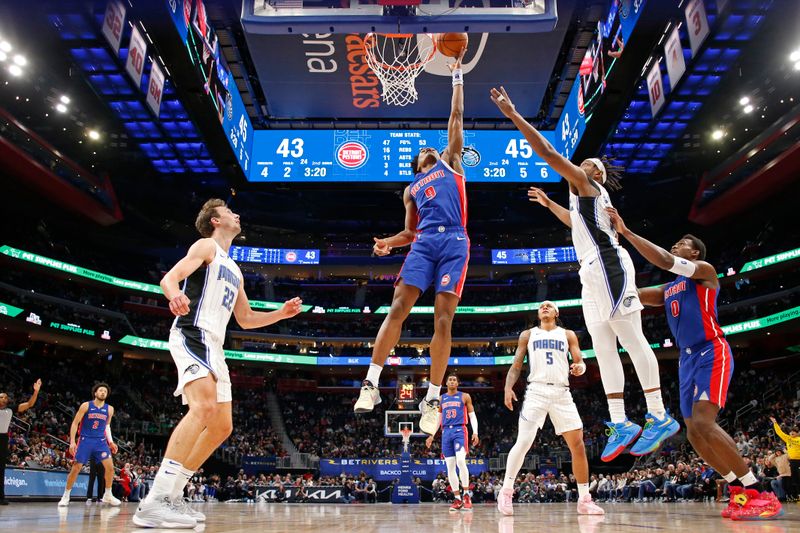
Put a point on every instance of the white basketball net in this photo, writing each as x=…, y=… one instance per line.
x=406, y=435
x=397, y=60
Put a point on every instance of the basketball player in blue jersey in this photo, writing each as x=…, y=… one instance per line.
x=705, y=365
x=213, y=289
x=94, y=421
x=611, y=307
x=436, y=228
x=455, y=407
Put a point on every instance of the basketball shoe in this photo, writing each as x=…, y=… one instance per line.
x=110, y=499
x=369, y=397
x=505, y=502
x=182, y=506
x=656, y=431
x=429, y=421
x=763, y=506
x=467, y=503
x=735, y=500
x=64, y=501
x=457, y=505
x=587, y=506
x=620, y=436
x=161, y=513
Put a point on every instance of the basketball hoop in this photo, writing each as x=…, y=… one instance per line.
x=406, y=434
x=397, y=59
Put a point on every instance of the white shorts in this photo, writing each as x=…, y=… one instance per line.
x=197, y=354
x=542, y=400
x=608, y=286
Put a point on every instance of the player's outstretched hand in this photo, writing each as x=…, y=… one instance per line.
x=459, y=59
x=616, y=220
x=475, y=439
x=179, y=306
x=502, y=101
x=37, y=385
x=510, y=397
x=429, y=442
x=535, y=194
x=292, y=307
x=381, y=247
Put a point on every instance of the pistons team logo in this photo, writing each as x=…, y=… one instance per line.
x=430, y=192
x=445, y=280
x=291, y=257
x=104, y=455
x=352, y=155
x=581, y=106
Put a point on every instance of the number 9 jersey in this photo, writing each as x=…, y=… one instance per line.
x=548, y=353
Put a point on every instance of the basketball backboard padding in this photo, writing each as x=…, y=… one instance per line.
x=286, y=17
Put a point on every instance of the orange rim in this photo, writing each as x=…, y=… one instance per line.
x=371, y=38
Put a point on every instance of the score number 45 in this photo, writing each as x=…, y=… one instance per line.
x=520, y=148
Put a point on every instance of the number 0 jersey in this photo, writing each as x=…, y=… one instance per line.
x=691, y=312
x=548, y=356
x=212, y=290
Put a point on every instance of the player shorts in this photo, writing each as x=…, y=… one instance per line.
x=439, y=255
x=89, y=447
x=608, y=283
x=556, y=401
x=197, y=354
x=454, y=439
x=704, y=373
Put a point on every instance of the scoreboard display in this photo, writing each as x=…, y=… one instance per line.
x=406, y=395
x=274, y=256
x=534, y=256
x=298, y=156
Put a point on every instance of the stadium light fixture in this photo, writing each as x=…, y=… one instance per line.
x=61, y=108
x=744, y=100
x=15, y=70
x=5, y=46
x=20, y=60
x=793, y=57
x=94, y=135
x=717, y=134
x=64, y=99
x=748, y=108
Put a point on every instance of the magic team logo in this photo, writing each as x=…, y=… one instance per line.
x=628, y=301
x=192, y=369
x=445, y=280
x=470, y=156
x=352, y=155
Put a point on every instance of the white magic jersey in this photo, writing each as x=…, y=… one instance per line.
x=212, y=290
x=591, y=225
x=548, y=353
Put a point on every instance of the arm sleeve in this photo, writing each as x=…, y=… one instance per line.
x=682, y=267
x=473, y=421
x=109, y=438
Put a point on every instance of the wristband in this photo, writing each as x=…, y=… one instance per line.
x=458, y=77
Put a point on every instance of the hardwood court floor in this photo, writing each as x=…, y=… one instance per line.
x=386, y=518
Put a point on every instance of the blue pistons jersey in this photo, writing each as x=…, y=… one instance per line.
x=441, y=197
x=454, y=424
x=93, y=425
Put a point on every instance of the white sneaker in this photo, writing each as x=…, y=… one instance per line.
x=64, y=501
x=369, y=397
x=161, y=513
x=505, y=502
x=110, y=499
x=182, y=506
x=588, y=507
x=429, y=421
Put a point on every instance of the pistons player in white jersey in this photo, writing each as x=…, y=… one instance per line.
x=212, y=290
x=548, y=347
x=611, y=306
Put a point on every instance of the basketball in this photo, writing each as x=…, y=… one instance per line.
x=450, y=44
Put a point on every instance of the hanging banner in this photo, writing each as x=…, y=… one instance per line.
x=137, y=51
x=673, y=54
x=696, y=24
x=155, y=88
x=113, y=23
x=655, y=89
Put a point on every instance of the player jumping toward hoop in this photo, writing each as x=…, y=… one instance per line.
x=455, y=407
x=705, y=365
x=94, y=420
x=547, y=347
x=611, y=306
x=436, y=228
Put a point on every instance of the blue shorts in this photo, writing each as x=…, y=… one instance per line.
x=92, y=447
x=704, y=373
x=438, y=257
x=453, y=440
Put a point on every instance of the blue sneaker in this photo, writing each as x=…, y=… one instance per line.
x=656, y=431
x=620, y=436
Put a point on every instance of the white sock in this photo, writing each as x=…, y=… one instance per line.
x=616, y=408
x=108, y=493
x=748, y=479
x=654, y=403
x=181, y=480
x=374, y=374
x=458, y=496
x=164, y=481
x=583, y=490
x=433, y=392
x=730, y=477
x=67, y=491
